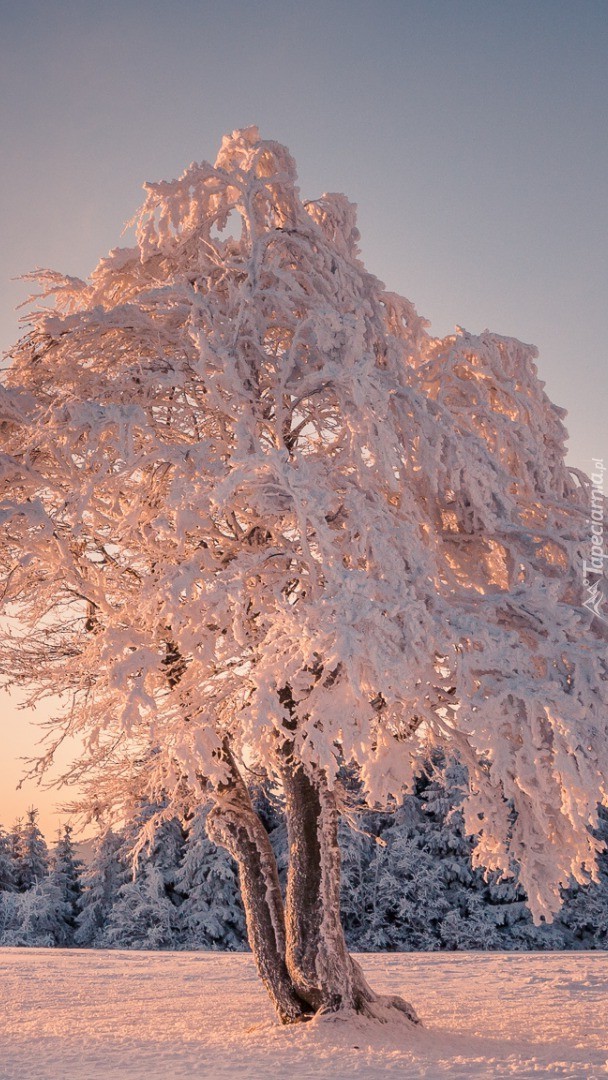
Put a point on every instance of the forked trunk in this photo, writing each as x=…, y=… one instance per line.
x=299, y=949
x=234, y=824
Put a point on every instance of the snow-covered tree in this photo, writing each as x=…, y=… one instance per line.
x=151, y=837
x=167, y=853
x=359, y=886
x=449, y=909
x=32, y=853
x=130, y=888
x=408, y=882
x=102, y=880
x=256, y=518
x=8, y=872
x=211, y=915
x=66, y=871
x=8, y=916
x=585, y=911
x=142, y=916
x=39, y=917
x=43, y=911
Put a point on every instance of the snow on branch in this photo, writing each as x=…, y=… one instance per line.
x=242, y=453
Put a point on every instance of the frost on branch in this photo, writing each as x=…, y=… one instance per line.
x=234, y=464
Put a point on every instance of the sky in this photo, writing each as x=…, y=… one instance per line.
x=471, y=134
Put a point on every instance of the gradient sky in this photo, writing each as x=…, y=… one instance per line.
x=471, y=133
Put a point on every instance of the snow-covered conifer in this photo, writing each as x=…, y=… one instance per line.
x=584, y=915
x=211, y=915
x=8, y=872
x=38, y=917
x=102, y=880
x=148, y=837
x=357, y=849
x=66, y=871
x=32, y=861
x=9, y=916
x=167, y=853
x=142, y=916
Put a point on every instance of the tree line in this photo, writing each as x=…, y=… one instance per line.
x=408, y=882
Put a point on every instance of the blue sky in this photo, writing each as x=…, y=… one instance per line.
x=471, y=133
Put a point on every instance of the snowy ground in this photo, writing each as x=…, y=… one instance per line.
x=76, y=1015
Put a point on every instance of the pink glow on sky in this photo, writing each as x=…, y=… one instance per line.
x=471, y=135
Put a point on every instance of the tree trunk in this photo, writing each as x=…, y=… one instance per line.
x=234, y=824
x=323, y=972
x=300, y=951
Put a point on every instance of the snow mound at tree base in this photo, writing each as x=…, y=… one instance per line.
x=87, y=1015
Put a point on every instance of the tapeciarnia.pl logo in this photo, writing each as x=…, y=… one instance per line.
x=593, y=571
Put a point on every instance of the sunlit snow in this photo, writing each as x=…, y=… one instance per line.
x=79, y=1015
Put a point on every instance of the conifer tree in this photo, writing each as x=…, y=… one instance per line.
x=32, y=853
x=102, y=880
x=45, y=916
x=8, y=872
x=149, y=837
x=142, y=916
x=584, y=915
x=211, y=915
x=166, y=853
x=66, y=871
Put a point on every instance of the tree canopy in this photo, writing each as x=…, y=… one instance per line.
x=247, y=496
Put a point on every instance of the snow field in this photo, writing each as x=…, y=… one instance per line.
x=91, y=1015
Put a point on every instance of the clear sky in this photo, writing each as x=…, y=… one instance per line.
x=471, y=133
